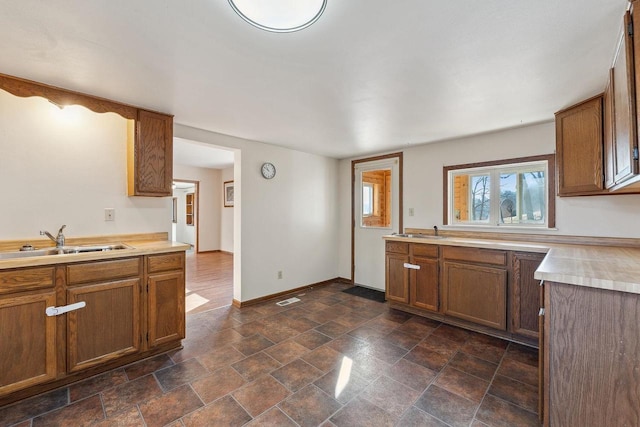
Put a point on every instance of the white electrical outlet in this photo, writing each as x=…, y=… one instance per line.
x=280, y=274
x=410, y=211
x=109, y=214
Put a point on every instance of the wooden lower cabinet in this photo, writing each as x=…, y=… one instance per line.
x=591, y=356
x=397, y=280
x=424, y=290
x=108, y=327
x=126, y=299
x=475, y=293
x=525, y=294
x=27, y=341
x=166, y=299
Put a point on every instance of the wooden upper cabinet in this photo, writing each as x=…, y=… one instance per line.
x=150, y=156
x=623, y=150
x=579, y=146
x=609, y=137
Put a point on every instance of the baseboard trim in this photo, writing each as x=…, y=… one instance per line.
x=209, y=252
x=241, y=304
x=226, y=252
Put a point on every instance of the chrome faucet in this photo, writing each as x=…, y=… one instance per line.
x=59, y=239
x=435, y=230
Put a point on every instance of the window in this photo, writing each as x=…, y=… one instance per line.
x=515, y=192
x=367, y=199
x=376, y=198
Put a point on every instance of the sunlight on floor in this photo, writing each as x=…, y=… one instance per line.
x=193, y=301
x=343, y=377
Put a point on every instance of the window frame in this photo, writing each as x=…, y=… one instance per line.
x=514, y=163
x=371, y=197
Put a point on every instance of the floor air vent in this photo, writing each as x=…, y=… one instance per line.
x=288, y=301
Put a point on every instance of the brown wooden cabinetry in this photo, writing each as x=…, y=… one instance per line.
x=150, y=156
x=525, y=294
x=591, y=356
x=39, y=352
x=474, y=285
x=622, y=153
x=27, y=340
x=412, y=274
x=166, y=298
x=579, y=146
x=424, y=283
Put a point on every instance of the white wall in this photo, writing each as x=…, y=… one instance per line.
x=210, y=202
x=65, y=167
x=613, y=216
x=184, y=233
x=287, y=223
x=226, y=218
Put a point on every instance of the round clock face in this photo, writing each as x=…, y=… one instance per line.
x=268, y=170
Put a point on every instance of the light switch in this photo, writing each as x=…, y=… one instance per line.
x=410, y=211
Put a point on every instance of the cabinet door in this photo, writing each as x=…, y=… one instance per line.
x=397, y=280
x=525, y=294
x=152, y=161
x=424, y=284
x=625, y=141
x=579, y=147
x=609, y=137
x=27, y=341
x=475, y=293
x=108, y=327
x=166, y=295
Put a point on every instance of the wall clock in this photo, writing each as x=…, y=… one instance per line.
x=268, y=170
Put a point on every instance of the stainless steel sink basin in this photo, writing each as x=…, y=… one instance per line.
x=64, y=250
x=28, y=254
x=94, y=248
x=419, y=236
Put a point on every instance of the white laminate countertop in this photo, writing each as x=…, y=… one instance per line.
x=604, y=267
x=137, y=248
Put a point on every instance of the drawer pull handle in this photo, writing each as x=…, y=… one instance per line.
x=57, y=311
x=541, y=312
x=411, y=266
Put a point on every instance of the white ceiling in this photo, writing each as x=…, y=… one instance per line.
x=369, y=76
x=200, y=155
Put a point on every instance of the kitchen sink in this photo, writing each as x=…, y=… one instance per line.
x=63, y=250
x=94, y=248
x=419, y=236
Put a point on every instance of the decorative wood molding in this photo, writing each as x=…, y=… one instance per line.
x=241, y=304
x=61, y=97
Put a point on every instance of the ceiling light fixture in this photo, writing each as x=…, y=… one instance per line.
x=279, y=16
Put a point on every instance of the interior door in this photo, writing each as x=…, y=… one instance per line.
x=376, y=205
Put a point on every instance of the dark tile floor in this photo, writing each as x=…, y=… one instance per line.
x=332, y=359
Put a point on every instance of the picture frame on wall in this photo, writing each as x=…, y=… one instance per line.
x=227, y=191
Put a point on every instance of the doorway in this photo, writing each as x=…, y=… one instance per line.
x=376, y=211
x=185, y=212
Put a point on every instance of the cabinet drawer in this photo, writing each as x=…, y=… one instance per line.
x=26, y=279
x=398, y=247
x=103, y=270
x=424, y=250
x=482, y=256
x=165, y=262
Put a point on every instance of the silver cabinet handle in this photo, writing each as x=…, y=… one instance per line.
x=57, y=311
x=411, y=266
x=541, y=312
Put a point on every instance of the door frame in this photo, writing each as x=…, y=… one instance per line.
x=353, y=214
x=197, y=210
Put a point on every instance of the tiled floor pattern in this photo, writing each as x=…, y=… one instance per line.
x=332, y=360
